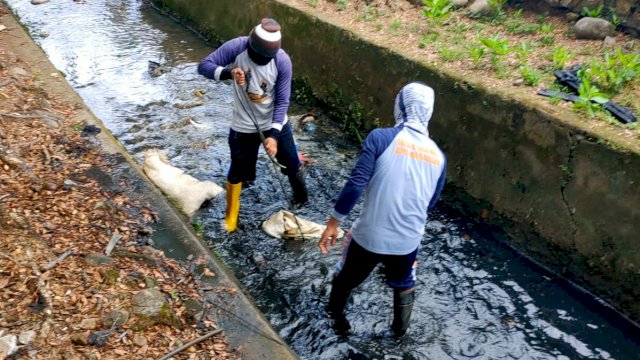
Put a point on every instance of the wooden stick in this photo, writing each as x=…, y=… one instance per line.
x=57, y=261
x=9, y=258
x=191, y=343
x=47, y=157
x=20, y=116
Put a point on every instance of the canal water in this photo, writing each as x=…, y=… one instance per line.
x=476, y=298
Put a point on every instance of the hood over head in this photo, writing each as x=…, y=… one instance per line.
x=414, y=106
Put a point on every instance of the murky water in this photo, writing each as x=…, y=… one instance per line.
x=475, y=300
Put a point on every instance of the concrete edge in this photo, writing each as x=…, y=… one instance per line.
x=245, y=327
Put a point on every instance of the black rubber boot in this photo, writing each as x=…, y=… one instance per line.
x=298, y=185
x=402, y=308
x=337, y=302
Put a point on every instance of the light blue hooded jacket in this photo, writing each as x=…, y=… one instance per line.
x=402, y=172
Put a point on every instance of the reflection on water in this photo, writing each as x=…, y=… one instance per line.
x=475, y=300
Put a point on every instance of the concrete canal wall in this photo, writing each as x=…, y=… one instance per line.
x=563, y=191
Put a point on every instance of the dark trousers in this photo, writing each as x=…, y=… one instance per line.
x=358, y=263
x=244, y=154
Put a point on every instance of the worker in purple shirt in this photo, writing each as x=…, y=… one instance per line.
x=262, y=73
x=401, y=171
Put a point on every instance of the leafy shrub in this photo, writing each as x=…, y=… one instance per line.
x=436, y=9
x=530, y=76
x=597, y=12
x=560, y=56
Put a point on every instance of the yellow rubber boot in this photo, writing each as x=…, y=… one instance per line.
x=233, y=206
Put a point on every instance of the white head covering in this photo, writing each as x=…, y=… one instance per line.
x=414, y=106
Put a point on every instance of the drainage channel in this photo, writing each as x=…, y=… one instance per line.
x=476, y=299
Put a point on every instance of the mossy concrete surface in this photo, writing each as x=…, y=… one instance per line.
x=564, y=191
x=244, y=326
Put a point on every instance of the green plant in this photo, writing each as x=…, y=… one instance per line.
x=476, y=52
x=370, y=13
x=460, y=27
x=547, y=40
x=302, y=93
x=342, y=5
x=379, y=26
x=450, y=54
x=498, y=6
x=497, y=46
x=523, y=51
x=530, y=76
x=436, y=9
x=517, y=26
x=517, y=14
x=348, y=113
x=597, y=12
x=428, y=38
x=197, y=227
x=591, y=98
x=560, y=56
x=395, y=25
x=615, y=20
x=546, y=28
x=313, y=3
x=614, y=71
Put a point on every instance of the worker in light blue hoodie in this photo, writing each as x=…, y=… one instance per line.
x=401, y=171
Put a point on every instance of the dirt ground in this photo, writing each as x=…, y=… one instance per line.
x=61, y=297
x=445, y=44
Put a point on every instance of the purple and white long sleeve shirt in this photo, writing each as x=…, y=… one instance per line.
x=265, y=95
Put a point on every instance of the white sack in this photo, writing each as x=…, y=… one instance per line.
x=188, y=192
x=283, y=225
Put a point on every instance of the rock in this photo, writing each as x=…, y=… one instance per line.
x=518, y=82
x=152, y=252
x=111, y=276
x=117, y=317
x=69, y=184
x=39, y=2
x=609, y=42
x=26, y=337
x=50, y=186
x=2, y=27
x=98, y=259
x=459, y=3
x=18, y=71
x=572, y=17
x=8, y=345
x=629, y=45
x=149, y=282
x=90, y=130
x=156, y=69
x=88, y=324
x=194, y=310
x=140, y=340
x=99, y=338
x=480, y=7
x=148, y=302
x=80, y=338
x=592, y=28
x=150, y=307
